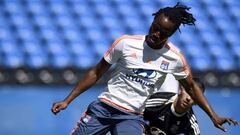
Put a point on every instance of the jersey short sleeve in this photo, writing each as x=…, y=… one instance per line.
x=115, y=51
x=182, y=69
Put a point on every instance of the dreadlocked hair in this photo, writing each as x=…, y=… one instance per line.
x=178, y=14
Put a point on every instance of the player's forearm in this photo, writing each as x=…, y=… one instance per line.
x=85, y=83
x=88, y=80
x=201, y=100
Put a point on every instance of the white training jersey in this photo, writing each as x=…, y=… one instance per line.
x=140, y=71
x=170, y=84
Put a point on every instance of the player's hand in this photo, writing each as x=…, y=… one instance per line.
x=220, y=121
x=57, y=107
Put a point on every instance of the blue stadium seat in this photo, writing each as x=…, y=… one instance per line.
x=98, y=2
x=232, y=38
x=61, y=60
x=35, y=7
x=134, y=26
x=88, y=22
x=238, y=23
x=58, y=8
x=187, y=37
x=148, y=8
x=212, y=3
x=144, y=2
x=166, y=3
x=95, y=35
x=36, y=56
x=85, y=60
x=12, y=6
x=196, y=10
x=192, y=3
x=204, y=25
x=100, y=48
x=36, y=61
x=225, y=63
x=3, y=22
x=9, y=47
x=56, y=47
x=219, y=50
x=148, y=21
x=234, y=11
x=105, y=10
x=26, y=34
x=123, y=2
x=6, y=33
x=77, y=48
x=33, y=48
x=13, y=61
x=217, y=12
x=71, y=34
x=201, y=63
x=18, y=20
x=211, y=38
x=60, y=31
x=65, y=21
x=81, y=8
x=42, y=21
x=232, y=2
x=187, y=29
x=223, y=24
x=175, y=39
x=49, y=34
x=110, y=23
x=235, y=49
x=126, y=10
x=195, y=49
x=40, y=16
x=113, y=34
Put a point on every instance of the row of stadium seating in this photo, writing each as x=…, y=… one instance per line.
x=76, y=33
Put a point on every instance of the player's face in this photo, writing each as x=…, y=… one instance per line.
x=161, y=29
x=184, y=99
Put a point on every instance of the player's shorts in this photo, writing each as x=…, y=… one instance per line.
x=101, y=118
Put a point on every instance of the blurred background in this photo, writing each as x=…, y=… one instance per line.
x=46, y=46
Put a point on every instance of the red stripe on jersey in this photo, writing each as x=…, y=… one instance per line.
x=118, y=106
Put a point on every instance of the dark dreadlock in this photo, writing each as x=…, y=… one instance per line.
x=177, y=14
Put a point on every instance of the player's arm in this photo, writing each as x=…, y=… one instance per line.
x=88, y=80
x=195, y=92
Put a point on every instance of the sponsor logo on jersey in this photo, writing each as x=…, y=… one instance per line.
x=139, y=80
x=140, y=74
x=149, y=74
x=164, y=65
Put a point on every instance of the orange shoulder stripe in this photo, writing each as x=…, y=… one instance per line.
x=174, y=49
x=137, y=37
